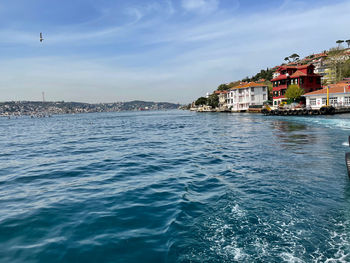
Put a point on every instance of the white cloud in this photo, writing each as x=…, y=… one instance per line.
x=201, y=6
x=173, y=61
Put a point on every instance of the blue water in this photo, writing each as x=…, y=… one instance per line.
x=174, y=186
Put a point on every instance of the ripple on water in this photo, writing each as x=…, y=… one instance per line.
x=174, y=187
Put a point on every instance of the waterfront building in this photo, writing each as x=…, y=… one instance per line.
x=319, y=61
x=303, y=76
x=339, y=95
x=239, y=98
x=222, y=99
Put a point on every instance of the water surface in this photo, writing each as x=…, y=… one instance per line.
x=174, y=186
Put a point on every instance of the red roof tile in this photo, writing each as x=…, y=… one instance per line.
x=297, y=74
x=248, y=85
x=280, y=77
x=333, y=88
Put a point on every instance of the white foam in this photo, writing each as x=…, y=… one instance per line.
x=237, y=211
x=289, y=257
x=331, y=123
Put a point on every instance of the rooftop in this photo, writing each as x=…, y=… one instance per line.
x=249, y=85
x=333, y=88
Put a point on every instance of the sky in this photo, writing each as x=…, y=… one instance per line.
x=157, y=50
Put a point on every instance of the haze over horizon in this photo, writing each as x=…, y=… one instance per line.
x=161, y=50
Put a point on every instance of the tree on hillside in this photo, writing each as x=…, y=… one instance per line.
x=348, y=42
x=270, y=90
x=346, y=69
x=339, y=42
x=246, y=79
x=294, y=92
x=263, y=74
x=213, y=100
x=201, y=101
x=234, y=84
x=294, y=56
x=336, y=60
x=223, y=87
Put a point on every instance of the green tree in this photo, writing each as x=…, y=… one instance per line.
x=213, y=100
x=337, y=62
x=294, y=92
x=339, y=42
x=223, y=87
x=201, y=101
x=348, y=42
x=246, y=79
x=234, y=84
x=346, y=69
x=294, y=57
x=270, y=90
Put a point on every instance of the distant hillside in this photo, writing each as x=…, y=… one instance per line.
x=61, y=107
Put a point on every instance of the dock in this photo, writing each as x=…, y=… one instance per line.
x=306, y=111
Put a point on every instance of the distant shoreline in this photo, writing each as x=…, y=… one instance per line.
x=42, y=109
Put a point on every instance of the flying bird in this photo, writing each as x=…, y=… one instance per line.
x=41, y=37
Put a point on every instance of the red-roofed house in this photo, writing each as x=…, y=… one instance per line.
x=303, y=76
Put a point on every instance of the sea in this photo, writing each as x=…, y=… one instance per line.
x=174, y=186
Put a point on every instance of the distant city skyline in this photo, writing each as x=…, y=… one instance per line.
x=161, y=50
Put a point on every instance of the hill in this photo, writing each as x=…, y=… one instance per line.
x=61, y=107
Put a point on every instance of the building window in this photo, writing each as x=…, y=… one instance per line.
x=324, y=101
x=346, y=100
x=312, y=102
x=252, y=89
x=310, y=79
x=264, y=89
x=296, y=81
x=264, y=97
x=318, y=80
x=252, y=97
x=275, y=102
x=333, y=100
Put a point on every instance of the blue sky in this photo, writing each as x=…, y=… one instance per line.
x=161, y=50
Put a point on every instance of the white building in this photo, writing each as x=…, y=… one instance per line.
x=241, y=97
x=275, y=74
x=222, y=99
x=320, y=66
x=339, y=95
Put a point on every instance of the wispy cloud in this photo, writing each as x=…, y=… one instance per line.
x=159, y=52
x=201, y=6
